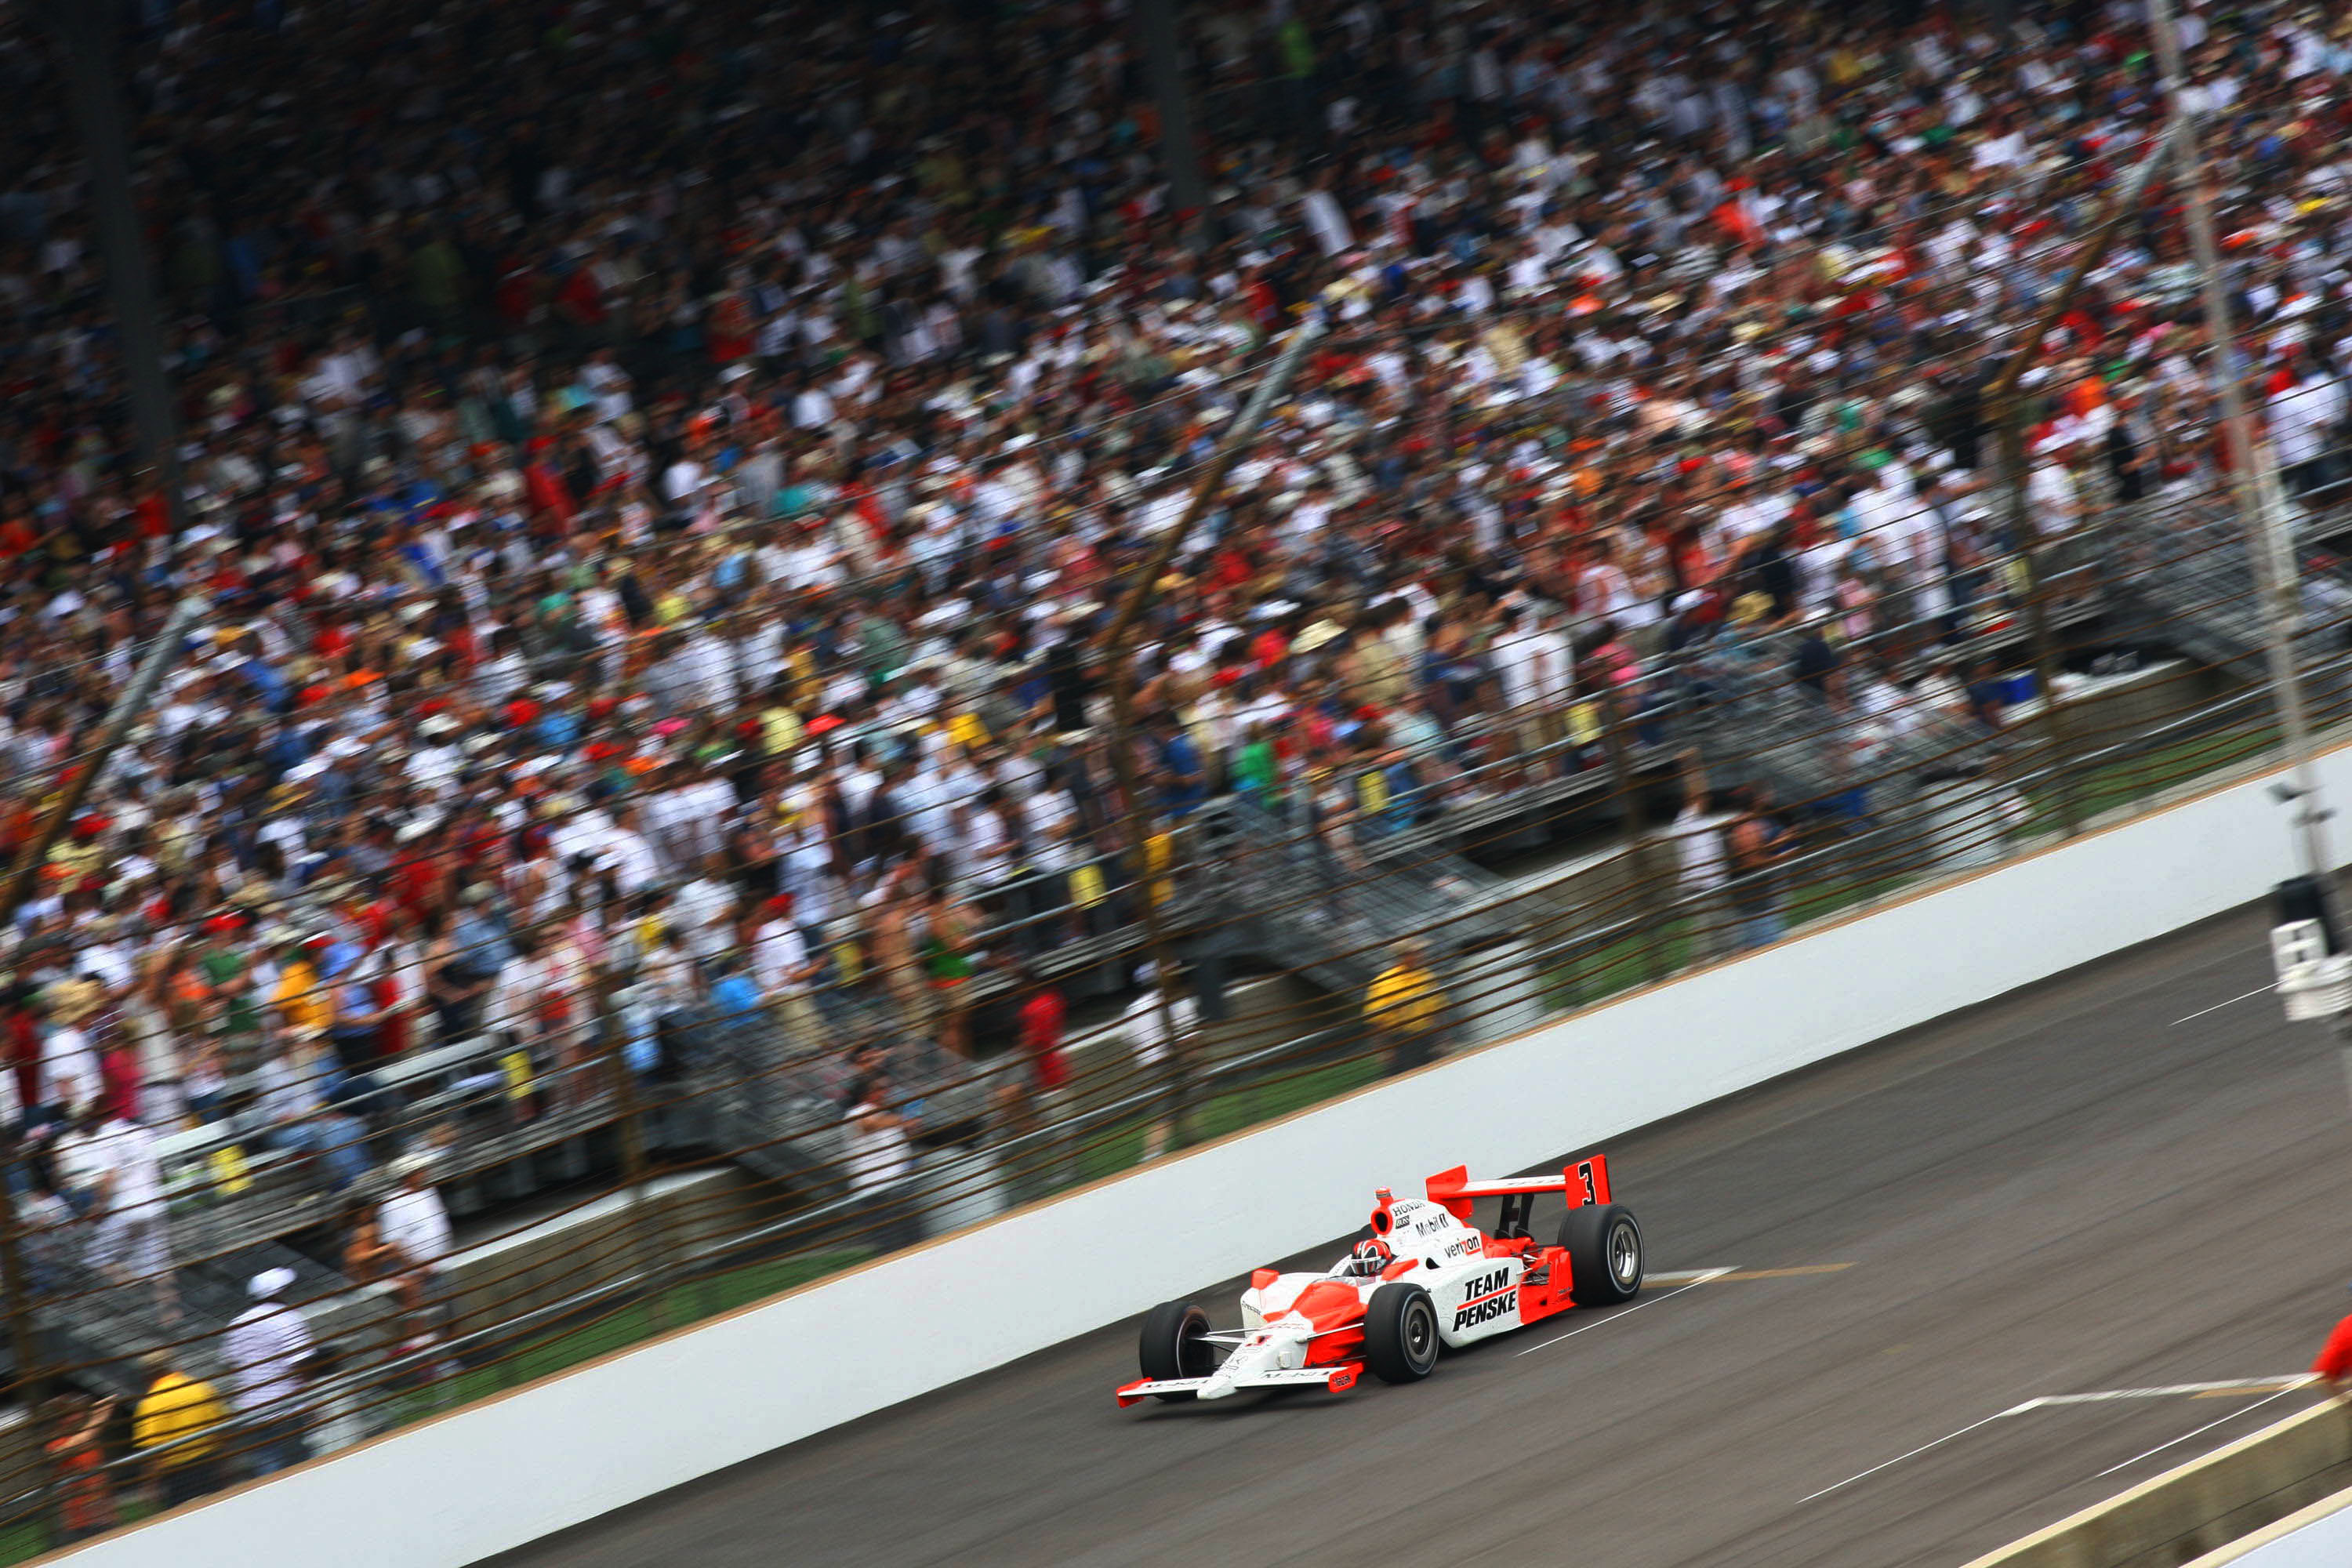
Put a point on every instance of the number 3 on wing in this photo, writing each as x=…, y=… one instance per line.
x=1593, y=1177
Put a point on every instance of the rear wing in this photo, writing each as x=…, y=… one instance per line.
x=1585, y=1182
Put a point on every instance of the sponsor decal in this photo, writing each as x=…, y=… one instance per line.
x=1487, y=1297
x=1481, y=1311
x=1487, y=1283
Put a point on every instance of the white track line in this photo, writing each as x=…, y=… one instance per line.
x=2257, y=991
x=2185, y=1437
x=2235, y=1385
x=1697, y=1281
x=2012, y=1410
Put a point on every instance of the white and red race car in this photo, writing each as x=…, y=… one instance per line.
x=1421, y=1277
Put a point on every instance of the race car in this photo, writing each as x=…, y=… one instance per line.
x=1421, y=1277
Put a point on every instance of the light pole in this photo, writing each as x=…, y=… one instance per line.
x=2262, y=509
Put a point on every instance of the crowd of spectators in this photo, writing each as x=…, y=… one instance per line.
x=656, y=473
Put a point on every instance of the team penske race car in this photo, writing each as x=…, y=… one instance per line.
x=1421, y=1277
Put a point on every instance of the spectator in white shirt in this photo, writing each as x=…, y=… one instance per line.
x=882, y=1159
x=2052, y=497
x=109, y=1168
x=2302, y=418
x=1704, y=862
x=1152, y=1032
x=413, y=1220
x=781, y=966
x=262, y=1354
x=68, y=1073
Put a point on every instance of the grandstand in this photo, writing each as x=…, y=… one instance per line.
x=656, y=517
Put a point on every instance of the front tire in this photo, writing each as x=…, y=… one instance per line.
x=1401, y=1333
x=1175, y=1343
x=1604, y=1254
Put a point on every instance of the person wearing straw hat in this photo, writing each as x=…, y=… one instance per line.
x=413, y=1219
x=70, y=1071
x=263, y=1352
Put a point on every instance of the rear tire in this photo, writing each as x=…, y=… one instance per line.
x=1175, y=1343
x=1401, y=1333
x=1604, y=1254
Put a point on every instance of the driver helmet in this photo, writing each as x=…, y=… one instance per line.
x=1369, y=1258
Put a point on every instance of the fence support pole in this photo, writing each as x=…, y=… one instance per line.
x=2008, y=410
x=73, y=785
x=2037, y=618
x=644, y=1237
x=2253, y=475
x=1120, y=659
x=1640, y=859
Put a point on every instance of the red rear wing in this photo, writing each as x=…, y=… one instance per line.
x=1586, y=1182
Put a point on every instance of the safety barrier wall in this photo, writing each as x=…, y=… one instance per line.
x=2319, y=1536
x=2211, y=1505
x=495, y=1474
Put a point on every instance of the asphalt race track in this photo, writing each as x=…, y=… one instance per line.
x=2065, y=1192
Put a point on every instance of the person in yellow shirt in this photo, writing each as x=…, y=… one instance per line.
x=302, y=996
x=1404, y=1005
x=781, y=728
x=174, y=1426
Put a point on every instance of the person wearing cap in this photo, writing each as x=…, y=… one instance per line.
x=262, y=1354
x=175, y=1428
x=222, y=965
x=413, y=1220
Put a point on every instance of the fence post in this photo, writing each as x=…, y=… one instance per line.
x=642, y=1223
x=1649, y=892
x=2028, y=541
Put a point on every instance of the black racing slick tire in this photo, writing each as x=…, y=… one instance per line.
x=1175, y=1343
x=1604, y=1254
x=1401, y=1333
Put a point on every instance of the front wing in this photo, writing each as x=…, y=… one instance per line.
x=1335, y=1379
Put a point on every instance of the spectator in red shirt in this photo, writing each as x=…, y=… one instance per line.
x=1039, y=1024
x=1042, y=1015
